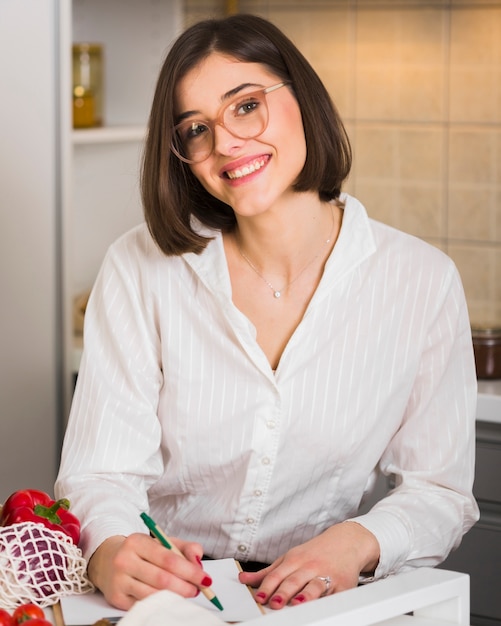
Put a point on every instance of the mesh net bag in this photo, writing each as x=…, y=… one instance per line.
x=39, y=565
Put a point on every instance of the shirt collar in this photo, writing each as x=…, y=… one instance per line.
x=355, y=242
x=354, y=245
x=210, y=265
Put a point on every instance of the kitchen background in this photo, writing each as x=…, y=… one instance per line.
x=418, y=84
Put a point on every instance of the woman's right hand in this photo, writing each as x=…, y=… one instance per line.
x=127, y=569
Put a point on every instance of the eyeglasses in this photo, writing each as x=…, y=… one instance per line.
x=245, y=117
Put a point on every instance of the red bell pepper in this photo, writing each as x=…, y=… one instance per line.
x=31, y=505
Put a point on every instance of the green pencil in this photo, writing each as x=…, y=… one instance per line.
x=165, y=541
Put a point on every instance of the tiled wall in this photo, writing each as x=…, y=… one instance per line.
x=419, y=86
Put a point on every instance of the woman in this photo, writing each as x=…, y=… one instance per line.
x=261, y=350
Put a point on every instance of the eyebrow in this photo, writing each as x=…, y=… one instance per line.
x=226, y=96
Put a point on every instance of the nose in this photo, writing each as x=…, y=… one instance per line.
x=224, y=142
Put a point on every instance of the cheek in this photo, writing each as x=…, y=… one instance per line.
x=292, y=134
x=290, y=125
x=201, y=171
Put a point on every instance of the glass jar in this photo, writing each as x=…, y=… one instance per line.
x=87, y=85
x=487, y=348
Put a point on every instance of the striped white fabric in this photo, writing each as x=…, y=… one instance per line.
x=177, y=411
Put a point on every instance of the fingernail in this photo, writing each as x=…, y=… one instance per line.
x=277, y=599
x=207, y=581
x=299, y=598
x=261, y=595
x=199, y=561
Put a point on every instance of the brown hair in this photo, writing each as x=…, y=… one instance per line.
x=171, y=193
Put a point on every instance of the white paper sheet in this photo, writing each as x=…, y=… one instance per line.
x=237, y=601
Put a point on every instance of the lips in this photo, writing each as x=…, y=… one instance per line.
x=246, y=169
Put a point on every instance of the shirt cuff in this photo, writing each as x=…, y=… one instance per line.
x=97, y=531
x=394, y=538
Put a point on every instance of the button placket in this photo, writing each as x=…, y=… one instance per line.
x=265, y=442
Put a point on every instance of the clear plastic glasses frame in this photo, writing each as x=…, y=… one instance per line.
x=245, y=116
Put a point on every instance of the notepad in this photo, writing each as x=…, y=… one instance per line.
x=237, y=600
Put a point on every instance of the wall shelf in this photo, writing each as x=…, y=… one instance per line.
x=108, y=134
x=100, y=167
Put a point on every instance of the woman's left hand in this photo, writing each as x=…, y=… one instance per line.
x=339, y=555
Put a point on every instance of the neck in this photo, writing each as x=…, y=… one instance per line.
x=282, y=258
x=280, y=245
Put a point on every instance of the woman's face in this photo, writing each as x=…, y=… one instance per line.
x=251, y=175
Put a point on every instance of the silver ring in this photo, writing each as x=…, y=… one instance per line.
x=327, y=582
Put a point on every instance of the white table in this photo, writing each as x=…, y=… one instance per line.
x=435, y=597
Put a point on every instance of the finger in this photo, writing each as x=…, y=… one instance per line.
x=125, y=590
x=156, y=567
x=254, y=579
x=316, y=588
x=187, y=566
x=132, y=592
x=277, y=590
x=173, y=574
x=119, y=600
x=192, y=551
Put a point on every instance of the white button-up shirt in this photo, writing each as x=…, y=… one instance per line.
x=178, y=412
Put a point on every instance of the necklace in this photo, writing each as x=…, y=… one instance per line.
x=277, y=293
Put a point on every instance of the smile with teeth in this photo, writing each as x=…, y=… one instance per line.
x=250, y=168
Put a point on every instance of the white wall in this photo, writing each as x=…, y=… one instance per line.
x=28, y=254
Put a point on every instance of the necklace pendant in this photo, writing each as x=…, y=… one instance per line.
x=277, y=294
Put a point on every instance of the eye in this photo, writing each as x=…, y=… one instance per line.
x=193, y=130
x=246, y=106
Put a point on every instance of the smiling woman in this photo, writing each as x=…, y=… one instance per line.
x=168, y=201
x=269, y=134
x=260, y=350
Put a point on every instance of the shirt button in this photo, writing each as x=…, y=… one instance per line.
x=242, y=548
x=270, y=424
x=258, y=493
x=250, y=520
x=265, y=460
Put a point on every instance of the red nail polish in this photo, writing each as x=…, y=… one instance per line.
x=199, y=561
x=261, y=595
x=207, y=581
x=277, y=599
x=299, y=598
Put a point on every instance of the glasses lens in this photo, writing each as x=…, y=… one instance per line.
x=247, y=116
x=192, y=141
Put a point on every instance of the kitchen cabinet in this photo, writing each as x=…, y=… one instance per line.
x=65, y=196
x=479, y=554
x=100, y=166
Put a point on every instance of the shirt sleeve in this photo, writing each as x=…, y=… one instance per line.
x=432, y=456
x=111, y=452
